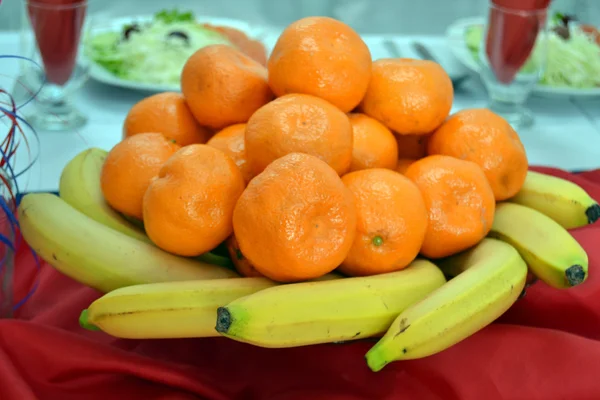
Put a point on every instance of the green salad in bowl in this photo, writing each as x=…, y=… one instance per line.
x=153, y=51
x=572, y=58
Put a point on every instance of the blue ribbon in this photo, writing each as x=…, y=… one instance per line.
x=7, y=157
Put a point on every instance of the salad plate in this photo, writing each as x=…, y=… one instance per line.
x=105, y=61
x=465, y=49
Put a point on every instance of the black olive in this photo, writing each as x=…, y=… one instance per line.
x=129, y=29
x=180, y=35
x=562, y=31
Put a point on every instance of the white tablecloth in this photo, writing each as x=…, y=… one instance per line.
x=566, y=133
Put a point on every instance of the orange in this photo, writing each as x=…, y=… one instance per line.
x=296, y=220
x=299, y=123
x=188, y=208
x=252, y=48
x=403, y=164
x=408, y=96
x=459, y=200
x=130, y=166
x=241, y=263
x=374, y=145
x=223, y=86
x=412, y=146
x=322, y=57
x=481, y=136
x=165, y=113
x=231, y=141
x=391, y=222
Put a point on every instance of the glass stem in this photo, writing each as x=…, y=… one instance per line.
x=502, y=107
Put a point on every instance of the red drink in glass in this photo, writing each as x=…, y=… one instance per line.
x=57, y=27
x=52, y=35
x=511, y=35
x=513, y=56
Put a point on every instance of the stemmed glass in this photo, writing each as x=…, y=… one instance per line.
x=52, y=35
x=513, y=56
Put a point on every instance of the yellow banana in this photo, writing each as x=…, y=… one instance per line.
x=551, y=253
x=492, y=279
x=80, y=187
x=328, y=311
x=167, y=310
x=170, y=309
x=96, y=255
x=563, y=201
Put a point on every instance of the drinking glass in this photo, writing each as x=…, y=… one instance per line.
x=512, y=58
x=52, y=34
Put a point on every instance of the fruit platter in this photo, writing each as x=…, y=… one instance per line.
x=324, y=197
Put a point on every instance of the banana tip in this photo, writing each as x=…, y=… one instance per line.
x=593, y=213
x=84, y=323
x=224, y=320
x=575, y=275
x=375, y=360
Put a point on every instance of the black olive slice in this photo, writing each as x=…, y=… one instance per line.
x=129, y=29
x=180, y=35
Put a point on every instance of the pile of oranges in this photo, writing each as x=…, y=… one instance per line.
x=321, y=159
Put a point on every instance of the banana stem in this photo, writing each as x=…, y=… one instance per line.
x=84, y=323
x=376, y=358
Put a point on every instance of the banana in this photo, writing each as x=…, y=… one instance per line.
x=492, y=278
x=551, y=253
x=563, y=201
x=80, y=187
x=328, y=311
x=96, y=255
x=167, y=310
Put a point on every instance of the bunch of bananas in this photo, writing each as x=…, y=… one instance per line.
x=416, y=312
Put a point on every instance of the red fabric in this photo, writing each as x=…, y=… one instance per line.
x=546, y=347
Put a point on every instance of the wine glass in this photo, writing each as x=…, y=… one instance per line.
x=513, y=57
x=52, y=35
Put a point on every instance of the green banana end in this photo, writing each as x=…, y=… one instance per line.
x=214, y=259
x=376, y=358
x=593, y=213
x=83, y=322
x=575, y=275
x=224, y=320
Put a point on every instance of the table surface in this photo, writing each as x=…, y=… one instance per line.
x=566, y=133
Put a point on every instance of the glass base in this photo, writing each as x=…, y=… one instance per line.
x=65, y=119
x=516, y=115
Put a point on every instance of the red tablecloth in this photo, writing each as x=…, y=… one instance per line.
x=546, y=347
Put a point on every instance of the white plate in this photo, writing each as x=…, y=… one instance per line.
x=100, y=74
x=455, y=35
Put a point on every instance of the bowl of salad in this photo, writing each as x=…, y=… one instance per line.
x=148, y=52
x=572, y=62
